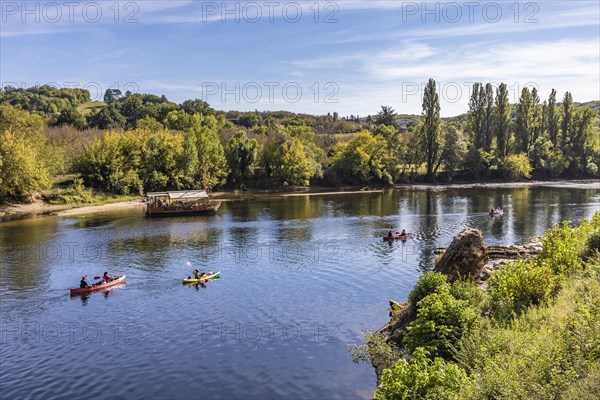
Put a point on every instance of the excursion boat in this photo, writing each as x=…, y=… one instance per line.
x=180, y=203
x=397, y=237
x=204, y=279
x=117, y=281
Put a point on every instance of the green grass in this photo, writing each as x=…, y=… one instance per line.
x=90, y=106
x=69, y=190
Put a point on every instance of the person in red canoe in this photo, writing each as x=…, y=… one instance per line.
x=106, y=277
x=84, y=284
x=403, y=233
x=390, y=233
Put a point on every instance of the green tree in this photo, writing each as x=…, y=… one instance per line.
x=567, y=121
x=488, y=116
x=431, y=127
x=159, y=160
x=553, y=119
x=524, y=121
x=108, y=117
x=23, y=165
x=386, y=116
x=112, y=95
x=112, y=163
x=212, y=163
x=502, y=121
x=70, y=116
x=295, y=167
x=21, y=170
x=361, y=160
x=454, y=149
x=197, y=106
x=242, y=154
x=476, y=118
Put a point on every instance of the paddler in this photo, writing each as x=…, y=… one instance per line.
x=84, y=284
x=106, y=277
x=390, y=233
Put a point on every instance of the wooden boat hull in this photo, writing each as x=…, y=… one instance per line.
x=118, y=281
x=181, y=211
x=203, y=279
x=397, y=237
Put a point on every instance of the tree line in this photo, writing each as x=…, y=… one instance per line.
x=134, y=143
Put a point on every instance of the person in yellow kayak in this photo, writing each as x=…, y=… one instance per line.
x=198, y=274
x=201, y=275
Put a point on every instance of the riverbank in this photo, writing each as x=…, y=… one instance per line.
x=40, y=208
x=535, y=317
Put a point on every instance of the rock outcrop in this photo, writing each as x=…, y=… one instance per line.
x=465, y=257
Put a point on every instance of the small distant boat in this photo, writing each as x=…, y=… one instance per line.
x=498, y=212
x=204, y=279
x=117, y=281
x=404, y=237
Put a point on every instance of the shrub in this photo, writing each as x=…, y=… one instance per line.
x=76, y=193
x=592, y=245
x=441, y=321
x=468, y=291
x=428, y=283
x=562, y=247
x=517, y=166
x=421, y=378
x=521, y=284
x=375, y=351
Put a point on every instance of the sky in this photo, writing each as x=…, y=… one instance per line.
x=315, y=57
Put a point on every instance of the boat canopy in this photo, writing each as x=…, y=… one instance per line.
x=180, y=195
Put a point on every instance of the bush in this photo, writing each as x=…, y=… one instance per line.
x=562, y=247
x=375, y=351
x=428, y=283
x=468, y=291
x=592, y=245
x=517, y=166
x=441, y=321
x=421, y=378
x=521, y=284
x=76, y=193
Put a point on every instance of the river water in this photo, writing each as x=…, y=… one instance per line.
x=301, y=276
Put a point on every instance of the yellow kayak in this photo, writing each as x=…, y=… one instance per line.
x=205, y=278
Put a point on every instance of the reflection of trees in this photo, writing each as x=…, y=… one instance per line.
x=429, y=226
x=27, y=250
x=154, y=249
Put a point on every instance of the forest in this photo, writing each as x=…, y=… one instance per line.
x=59, y=143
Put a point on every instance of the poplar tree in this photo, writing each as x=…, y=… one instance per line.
x=431, y=126
x=502, y=120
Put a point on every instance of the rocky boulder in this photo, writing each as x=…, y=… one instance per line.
x=465, y=257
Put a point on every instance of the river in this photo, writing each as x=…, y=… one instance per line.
x=301, y=276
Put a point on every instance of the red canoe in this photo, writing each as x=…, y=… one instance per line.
x=397, y=237
x=117, y=281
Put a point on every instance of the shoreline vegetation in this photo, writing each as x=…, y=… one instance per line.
x=99, y=204
x=131, y=144
x=527, y=328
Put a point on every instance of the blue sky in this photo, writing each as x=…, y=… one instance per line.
x=351, y=57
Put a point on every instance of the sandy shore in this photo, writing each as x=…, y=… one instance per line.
x=124, y=205
x=40, y=208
